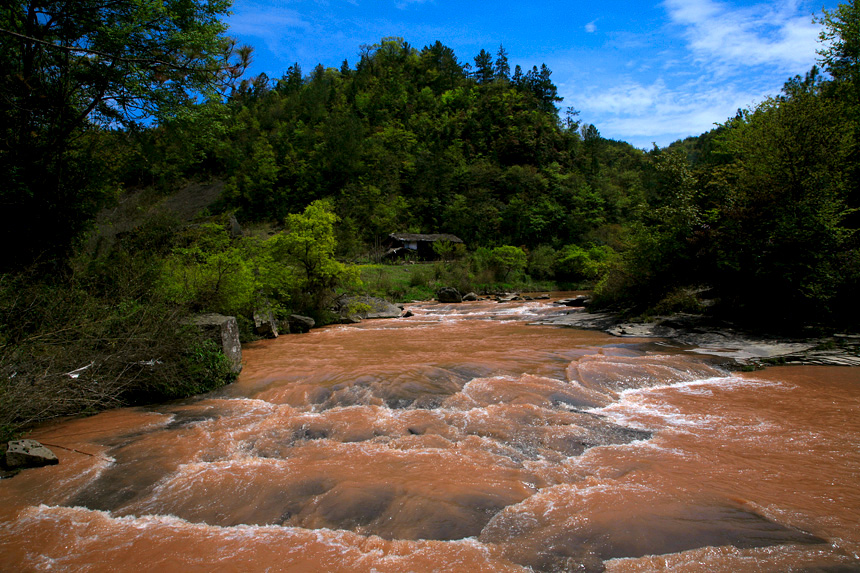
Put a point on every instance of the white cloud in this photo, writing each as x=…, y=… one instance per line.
x=644, y=113
x=404, y=4
x=591, y=27
x=627, y=98
x=728, y=57
x=723, y=36
x=269, y=23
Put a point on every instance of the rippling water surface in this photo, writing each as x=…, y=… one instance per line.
x=460, y=439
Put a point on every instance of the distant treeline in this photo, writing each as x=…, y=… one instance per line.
x=408, y=140
x=759, y=212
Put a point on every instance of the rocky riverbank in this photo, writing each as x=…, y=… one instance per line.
x=705, y=335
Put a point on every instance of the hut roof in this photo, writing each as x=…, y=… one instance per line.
x=429, y=238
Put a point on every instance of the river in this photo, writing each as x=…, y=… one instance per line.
x=459, y=439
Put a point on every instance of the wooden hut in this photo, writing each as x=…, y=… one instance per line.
x=416, y=245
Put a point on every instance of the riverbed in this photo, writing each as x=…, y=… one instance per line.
x=462, y=438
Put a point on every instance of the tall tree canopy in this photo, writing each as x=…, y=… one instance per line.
x=72, y=67
x=770, y=210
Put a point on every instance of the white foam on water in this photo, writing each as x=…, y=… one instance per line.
x=634, y=403
x=255, y=404
x=82, y=516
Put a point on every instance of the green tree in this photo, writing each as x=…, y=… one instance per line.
x=575, y=263
x=591, y=143
x=840, y=57
x=309, y=243
x=207, y=272
x=783, y=233
x=484, y=73
x=70, y=68
x=508, y=259
x=253, y=184
x=502, y=69
x=840, y=54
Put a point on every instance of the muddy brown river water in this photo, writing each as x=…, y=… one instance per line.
x=460, y=439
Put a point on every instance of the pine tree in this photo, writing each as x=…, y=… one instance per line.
x=483, y=73
x=502, y=67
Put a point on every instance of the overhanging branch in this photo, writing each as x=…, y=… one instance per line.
x=148, y=61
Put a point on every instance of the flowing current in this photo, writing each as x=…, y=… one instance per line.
x=459, y=439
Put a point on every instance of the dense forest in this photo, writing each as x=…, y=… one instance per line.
x=758, y=216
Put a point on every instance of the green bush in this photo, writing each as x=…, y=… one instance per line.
x=679, y=300
x=541, y=265
x=508, y=261
x=208, y=271
x=206, y=368
x=575, y=263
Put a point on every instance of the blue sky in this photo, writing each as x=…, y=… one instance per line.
x=642, y=72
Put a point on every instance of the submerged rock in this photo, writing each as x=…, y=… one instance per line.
x=29, y=454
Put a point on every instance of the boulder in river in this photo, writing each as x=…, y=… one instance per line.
x=448, y=295
x=265, y=323
x=508, y=297
x=29, y=454
x=299, y=324
x=224, y=331
x=470, y=297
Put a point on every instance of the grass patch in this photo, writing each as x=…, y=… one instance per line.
x=420, y=281
x=399, y=283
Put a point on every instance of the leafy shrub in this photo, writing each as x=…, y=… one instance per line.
x=209, y=271
x=679, y=300
x=508, y=259
x=308, y=246
x=206, y=368
x=447, y=250
x=541, y=263
x=422, y=276
x=575, y=263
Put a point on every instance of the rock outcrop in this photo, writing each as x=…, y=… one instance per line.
x=740, y=348
x=581, y=300
x=28, y=454
x=224, y=331
x=265, y=323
